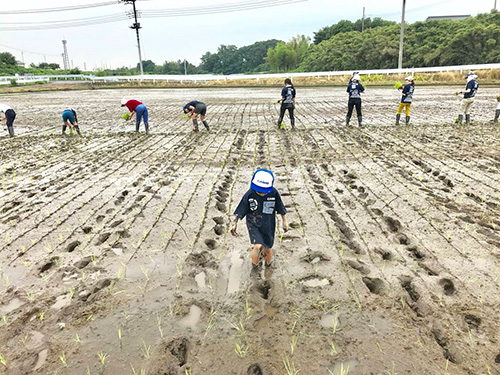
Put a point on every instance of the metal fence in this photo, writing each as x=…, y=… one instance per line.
x=200, y=78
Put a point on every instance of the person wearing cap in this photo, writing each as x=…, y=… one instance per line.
x=8, y=115
x=70, y=119
x=354, y=88
x=140, y=110
x=287, y=102
x=406, y=99
x=353, y=74
x=259, y=205
x=468, y=99
x=193, y=109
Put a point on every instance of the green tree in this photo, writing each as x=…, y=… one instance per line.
x=7, y=59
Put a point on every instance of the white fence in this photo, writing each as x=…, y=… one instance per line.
x=212, y=77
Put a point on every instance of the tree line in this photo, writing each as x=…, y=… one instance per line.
x=345, y=45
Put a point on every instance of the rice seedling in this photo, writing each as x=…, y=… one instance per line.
x=293, y=343
x=343, y=371
x=2, y=360
x=102, y=357
x=77, y=339
x=63, y=359
x=142, y=372
x=289, y=366
x=240, y=350
x=146, y=350
x=158, y=320
x=211, y=322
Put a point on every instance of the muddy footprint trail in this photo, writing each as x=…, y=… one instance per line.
x=117, y=256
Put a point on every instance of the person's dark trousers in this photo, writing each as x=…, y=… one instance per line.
x=497, y=114
x=354, y=103
x=10, y=116
x=290, y=107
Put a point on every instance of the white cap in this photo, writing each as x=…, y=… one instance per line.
x=356, y=77
x=409, y=78
x=262, y=181
x=124, y=101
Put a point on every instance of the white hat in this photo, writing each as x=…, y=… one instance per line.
x=409, y=78
x=356, y=77
x=262, y=181
x=124, y=101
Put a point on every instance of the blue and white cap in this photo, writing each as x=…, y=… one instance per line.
x=262, y=181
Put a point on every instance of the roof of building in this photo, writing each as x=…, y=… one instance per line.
x=453, y=18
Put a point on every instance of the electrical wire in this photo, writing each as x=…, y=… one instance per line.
x=412, y=10
x=60, y=9
x=30, y=52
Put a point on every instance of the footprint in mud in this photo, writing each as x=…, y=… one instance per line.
x=264, y=289
x=103, y=237
x=220, y=199
x=393, y=224
x=254, y=370
x=211, y=244
x=448, y=286
x=221, y=207
x=47, y=266
x=87, y=230
x=99, y=218
x=314, y=257
x=375, y=285
x=359, y=266
x=119, y=200
x=218, y=220
x=406, y=283
x=72, y=246
x=116, y=223
x=428, y=269
x=444, y=343
x=415, y=253
x=473, y=321
x=403, y=239
x=221, y=193
x=82, y=263
x=140, y=198
x=168, y=357
x=385, y=254
x=219, y=230
x=497, y=359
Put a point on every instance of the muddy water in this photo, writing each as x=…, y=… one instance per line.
x=193, y=318
x=233, y=284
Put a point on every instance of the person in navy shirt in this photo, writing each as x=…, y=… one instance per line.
x=354, y=88
x=8, y=115
x=195, y=108
x=468, y=99
x=140, y=110
x=260, y=205
x=70, y=119
x=406, y=99
x=287, y=102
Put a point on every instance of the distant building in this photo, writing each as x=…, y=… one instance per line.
x=453, y=18
x=20, y=63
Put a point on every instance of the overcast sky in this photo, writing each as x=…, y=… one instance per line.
x=114, y=44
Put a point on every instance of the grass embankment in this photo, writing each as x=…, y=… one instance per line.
x=488, y=77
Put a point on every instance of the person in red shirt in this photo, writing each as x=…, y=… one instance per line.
x=140, y=110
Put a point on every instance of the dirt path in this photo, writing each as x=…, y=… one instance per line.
x=116, y=256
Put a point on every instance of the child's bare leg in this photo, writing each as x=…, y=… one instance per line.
x=268, y=255
x=256, y=249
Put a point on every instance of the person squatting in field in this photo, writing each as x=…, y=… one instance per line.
x=468, y=99
x=406, y=99
x=70, y=119
x=193, y=109
x=287, y=102
x=354, y=88
x=259, y=205
x=140, y=110
x=8, y=114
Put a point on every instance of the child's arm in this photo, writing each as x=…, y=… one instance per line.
x=285, y=224
x=235, y=226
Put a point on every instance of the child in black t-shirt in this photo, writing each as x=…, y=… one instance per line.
x=260, y=204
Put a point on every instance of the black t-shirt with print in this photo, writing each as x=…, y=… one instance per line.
x=260, y=211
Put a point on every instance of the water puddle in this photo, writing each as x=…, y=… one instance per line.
x=61, y=301
x=234, y=274
x=191, y=319
x=315, y=282
x=330, y=320
x=15, y=303
x=344, y=367
x=270, y=312
x=201, y=280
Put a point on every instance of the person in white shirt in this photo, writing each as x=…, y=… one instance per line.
x=8, y=115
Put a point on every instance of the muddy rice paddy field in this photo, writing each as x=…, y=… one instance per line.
x=116, y=256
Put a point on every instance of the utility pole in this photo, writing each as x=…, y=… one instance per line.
x=185, y=68
x=495, y=7
x=401, y=38
x=136, y=26
x=363, y=21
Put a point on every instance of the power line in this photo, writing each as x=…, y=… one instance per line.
x=30, y=52
x=66, y=24
x=59, y=9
